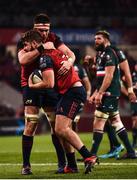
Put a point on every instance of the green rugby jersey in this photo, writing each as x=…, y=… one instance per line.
x=108, y=58
x=120, y=54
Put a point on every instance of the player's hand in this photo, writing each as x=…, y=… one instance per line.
x=66, y=65
x=98, y=99
x=132, y=97
x=48, y=45
x=91, y=99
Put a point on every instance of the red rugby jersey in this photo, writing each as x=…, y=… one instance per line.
x=28, y=69
x=62, y=82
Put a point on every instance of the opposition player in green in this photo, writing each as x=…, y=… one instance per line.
x=106, y=95
x=115, y=146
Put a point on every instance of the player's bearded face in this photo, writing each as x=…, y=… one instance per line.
x=99, y=43
x=99, y=47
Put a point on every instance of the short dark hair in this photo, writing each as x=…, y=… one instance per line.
x=32, y=35
x=104, y=33
x=41, y=18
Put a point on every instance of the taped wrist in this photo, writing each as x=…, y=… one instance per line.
x=71, y=60
x=130, y=90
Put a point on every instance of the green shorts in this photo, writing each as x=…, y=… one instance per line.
x=109, y=104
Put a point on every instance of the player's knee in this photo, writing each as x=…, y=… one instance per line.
x=33, y=118
x=118, y=125
x=31, y=121
x=60, y=131
x=99, y=115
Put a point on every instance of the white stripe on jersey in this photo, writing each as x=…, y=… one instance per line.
x=100, y=73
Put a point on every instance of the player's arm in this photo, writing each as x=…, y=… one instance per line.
x=85, y=80
x=47, y=80
x=27, y=57
x=124, y=66
x=92, y=98
x=87, y=86
x=30, y=52
x=123, y=88
x=66, y=65
x=109, y=71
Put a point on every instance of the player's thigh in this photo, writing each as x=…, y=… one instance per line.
x=71, y=102
x=109, y=104
x=100, y=119
x=49, y=99
x=62, y=122
x=31, y=98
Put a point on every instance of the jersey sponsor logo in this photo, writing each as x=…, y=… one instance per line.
x=111, y=107
x=108, y=58
x=45, y=62
x=98, y=60
x=122, y=55
x=28, y=101
x=102, y=55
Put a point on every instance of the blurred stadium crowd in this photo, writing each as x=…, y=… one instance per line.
x=116, y=14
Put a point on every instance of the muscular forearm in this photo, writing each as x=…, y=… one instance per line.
x=124, y=91
x=87, y=85
x=125, y=68
x=42, y=85
x=68, y=52
x=27, y=57
x=106, y=83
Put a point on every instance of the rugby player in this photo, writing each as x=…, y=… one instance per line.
x=108, y=82
x=32, y=101
x=71, y=90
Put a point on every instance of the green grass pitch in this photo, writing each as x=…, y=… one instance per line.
x=44, y=163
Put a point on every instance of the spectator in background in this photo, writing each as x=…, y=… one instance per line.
x=8, y=70
x=6, y=111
